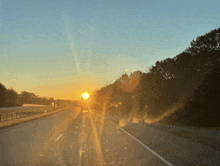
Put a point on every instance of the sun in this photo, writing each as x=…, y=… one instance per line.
x=85, y=95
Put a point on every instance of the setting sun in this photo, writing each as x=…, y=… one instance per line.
x=85, y=95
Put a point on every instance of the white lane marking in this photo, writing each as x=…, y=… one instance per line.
x=160, y=157
x=59, y=137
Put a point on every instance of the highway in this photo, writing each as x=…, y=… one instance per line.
x=71, y=137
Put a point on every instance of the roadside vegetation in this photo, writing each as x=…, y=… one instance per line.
x=183, y=90
x=10, y=98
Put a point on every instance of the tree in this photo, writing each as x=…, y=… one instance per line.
x=8, y=97
x=203, y=110
x=97, y=100
x=12, y=98
x=206, y=49
x=3, y=93
x=25, y=97
x=205, y=44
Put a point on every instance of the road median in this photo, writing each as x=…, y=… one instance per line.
x=13, y=122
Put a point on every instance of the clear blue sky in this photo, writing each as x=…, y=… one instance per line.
x=61, y=48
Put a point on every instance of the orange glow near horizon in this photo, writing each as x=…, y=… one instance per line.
x=85, y=95
x=67, y=92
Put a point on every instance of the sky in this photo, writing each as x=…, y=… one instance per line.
x=61, y=48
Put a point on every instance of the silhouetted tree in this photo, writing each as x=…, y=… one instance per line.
x=206, y=43
x=8, y=97
x=169, y=81
x=12, y=99
x=204, y=108
x=3, y=93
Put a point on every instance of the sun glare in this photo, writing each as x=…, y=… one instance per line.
x=85, y=95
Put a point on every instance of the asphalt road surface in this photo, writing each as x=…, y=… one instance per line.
x=81, y=139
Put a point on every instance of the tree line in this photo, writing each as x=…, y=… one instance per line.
x=185, y=79
x=10, y=98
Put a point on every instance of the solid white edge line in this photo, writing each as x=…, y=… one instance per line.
x=160, y=157
x=59, y=137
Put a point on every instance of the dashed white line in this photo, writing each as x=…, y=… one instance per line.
x=160, y=157
x=59, y=137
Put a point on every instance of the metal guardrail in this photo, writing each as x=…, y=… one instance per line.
x=7, y=116
x=16, y=115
